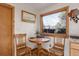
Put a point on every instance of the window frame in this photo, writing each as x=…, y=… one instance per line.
x=52, y=12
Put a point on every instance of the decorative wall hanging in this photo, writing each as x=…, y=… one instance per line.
x=74, y=15
x=28, y=17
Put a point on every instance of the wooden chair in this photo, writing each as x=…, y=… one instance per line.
x=21, y=48
x=58, y=48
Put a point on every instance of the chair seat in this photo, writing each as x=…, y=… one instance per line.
x=52, y=54
x=59, y=44
x=57, y=51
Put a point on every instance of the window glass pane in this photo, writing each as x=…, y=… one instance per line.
x=55, y=23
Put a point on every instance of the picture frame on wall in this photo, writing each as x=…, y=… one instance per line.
x=28, y=17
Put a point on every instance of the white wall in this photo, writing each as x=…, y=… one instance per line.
x=20, y=26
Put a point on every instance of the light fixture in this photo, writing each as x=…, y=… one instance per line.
x=74, y=15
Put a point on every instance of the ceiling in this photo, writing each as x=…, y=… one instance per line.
x=39, y=6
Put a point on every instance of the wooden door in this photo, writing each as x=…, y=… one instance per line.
x=5, y=30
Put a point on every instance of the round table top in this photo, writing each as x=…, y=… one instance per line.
x=39, y=40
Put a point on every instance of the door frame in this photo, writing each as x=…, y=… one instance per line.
x=12, y=18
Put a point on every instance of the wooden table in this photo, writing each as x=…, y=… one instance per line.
x=39, y=42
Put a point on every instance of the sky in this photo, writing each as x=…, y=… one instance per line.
x=52, y=20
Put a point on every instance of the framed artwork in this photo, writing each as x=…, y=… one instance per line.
x=28, y=17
